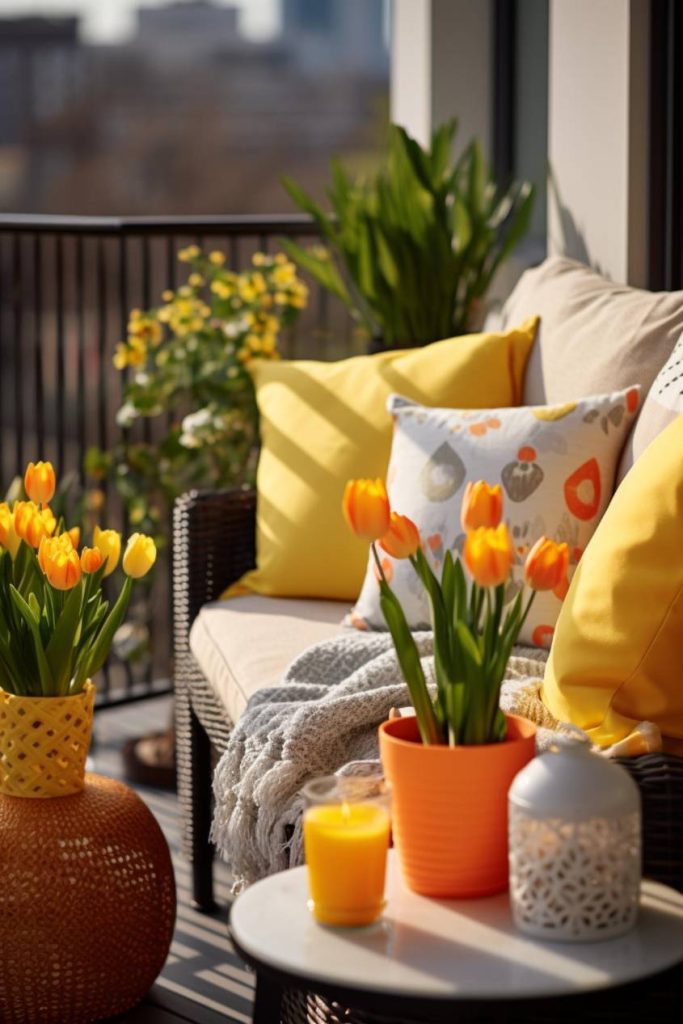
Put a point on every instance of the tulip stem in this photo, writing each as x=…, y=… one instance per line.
x=526, y=612
x=380, y=570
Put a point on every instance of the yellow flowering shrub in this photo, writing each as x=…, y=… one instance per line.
x=186, y=363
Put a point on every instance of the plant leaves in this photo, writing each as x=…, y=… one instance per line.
x=62, y=645
x=93, y=658
x=33, y=623
x=411, y=666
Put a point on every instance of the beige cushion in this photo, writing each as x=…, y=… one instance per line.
x=245, y=644
x=595, y=336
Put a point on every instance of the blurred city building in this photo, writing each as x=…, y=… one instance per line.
x=187, y=115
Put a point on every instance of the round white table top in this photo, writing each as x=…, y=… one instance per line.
x=441, y=949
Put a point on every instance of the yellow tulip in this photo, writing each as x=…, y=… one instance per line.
x=546, y=565
x=140, y=555
x=488, y=555
x=402, y=539
x=75, y=534
x=91, y=559
x=109, y=543
x=32, y=524
x=481, y=506
x=9, y=539
x=40, y=482
x=366, y=508
x=60, y=562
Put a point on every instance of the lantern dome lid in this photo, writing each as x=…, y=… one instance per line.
x=569, y=781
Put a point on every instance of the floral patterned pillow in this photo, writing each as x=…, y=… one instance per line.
x=556, y=465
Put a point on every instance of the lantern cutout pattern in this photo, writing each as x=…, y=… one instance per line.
x=574, y=844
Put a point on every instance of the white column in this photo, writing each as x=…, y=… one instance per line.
x=598, y=98
x=441, y=56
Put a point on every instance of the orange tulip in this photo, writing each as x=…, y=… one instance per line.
x=40, y=482
x=60, y=562
x=366, y=508
x=546, y=565
x=8, y=535
x=32, y=524
x=52, y=545
x=75, y=534
x=481, y=506
x=402, y=539
x=488, y=555
x=91, y=559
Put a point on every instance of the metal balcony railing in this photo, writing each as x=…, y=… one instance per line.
x=67, y=285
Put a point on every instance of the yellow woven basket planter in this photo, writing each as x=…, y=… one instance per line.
x=44, y=742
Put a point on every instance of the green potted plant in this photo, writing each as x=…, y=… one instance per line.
x=452, y=763
x=413, y=250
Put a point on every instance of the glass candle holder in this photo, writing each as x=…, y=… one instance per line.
x=347, y=823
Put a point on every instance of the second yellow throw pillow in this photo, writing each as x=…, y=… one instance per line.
x=322, y=423
x=617, y=656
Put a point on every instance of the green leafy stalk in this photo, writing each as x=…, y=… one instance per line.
x=473, y=639
x=408, y=659
x=62, y=646
x=31, y=619
x=95, y=654
x=414, y=248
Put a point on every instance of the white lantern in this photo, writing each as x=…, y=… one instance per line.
x=574, y=844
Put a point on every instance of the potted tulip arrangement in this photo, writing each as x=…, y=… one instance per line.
x=451, y=764
x=56, y=629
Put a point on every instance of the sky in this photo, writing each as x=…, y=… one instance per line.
x=110, y=21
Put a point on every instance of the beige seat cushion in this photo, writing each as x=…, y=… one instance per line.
x=595, y=335
x=245, y=644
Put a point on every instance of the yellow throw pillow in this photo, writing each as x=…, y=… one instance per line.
x=617, y=655
x=322, y=423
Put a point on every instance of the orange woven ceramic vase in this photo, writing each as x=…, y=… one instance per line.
x=87, y=904
x=449, y=807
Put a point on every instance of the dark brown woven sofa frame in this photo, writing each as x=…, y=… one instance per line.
x=213, y=545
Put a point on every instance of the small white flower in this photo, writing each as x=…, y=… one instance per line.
x=127, y=415
x=189, y=441
x=196, y=420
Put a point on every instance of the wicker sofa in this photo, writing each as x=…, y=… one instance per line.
x=245, y=644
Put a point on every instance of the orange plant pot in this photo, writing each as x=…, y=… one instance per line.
x=449, y=807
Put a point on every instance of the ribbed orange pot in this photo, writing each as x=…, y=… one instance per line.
x=449, y=807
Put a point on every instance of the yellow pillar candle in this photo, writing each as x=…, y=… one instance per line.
x=346, y=852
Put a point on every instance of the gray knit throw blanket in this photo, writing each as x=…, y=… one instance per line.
x=321, y=719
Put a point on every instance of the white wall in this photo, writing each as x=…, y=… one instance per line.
x=441, y=67
x=597, y=202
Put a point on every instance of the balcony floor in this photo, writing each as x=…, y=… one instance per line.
x=203, y=981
